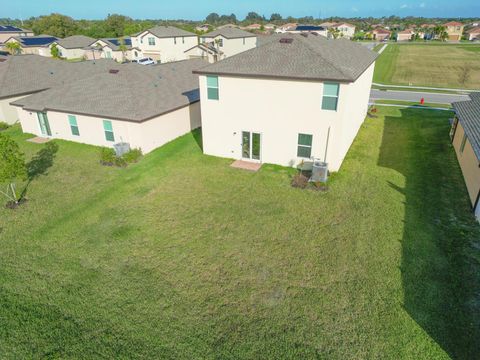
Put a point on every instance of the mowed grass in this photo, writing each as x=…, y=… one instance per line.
x=429, y=65
x=182, y=257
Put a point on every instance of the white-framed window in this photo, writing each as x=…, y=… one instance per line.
x=72, y=120
x=151, y=41
x=220, y=42
x=243, y=41
x=212, y=88
x=304, y=147
x=175, y=41
x=108, y=129
x=330, y=96
x=183, y=39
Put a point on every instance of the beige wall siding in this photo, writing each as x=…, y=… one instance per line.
x=233, y=46
x=71, y=53
x=165, y=49
x=468, y=163
x=280, y=110
x=8, y=113
x=147, y=135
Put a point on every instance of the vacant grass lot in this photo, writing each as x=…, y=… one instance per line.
x=429, y=65
x=182, y=257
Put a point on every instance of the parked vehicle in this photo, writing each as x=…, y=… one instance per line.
x=146, y=61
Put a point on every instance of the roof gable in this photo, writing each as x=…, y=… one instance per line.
x=167, y=32
x=229, y=33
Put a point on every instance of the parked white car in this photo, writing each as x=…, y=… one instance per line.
x=146, y=61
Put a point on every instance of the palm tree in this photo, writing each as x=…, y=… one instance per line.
x=13, y=47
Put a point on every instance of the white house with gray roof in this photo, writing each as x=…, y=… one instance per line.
x=73, y=47
x=164, y=43
x=294, y=98
x=222, y=43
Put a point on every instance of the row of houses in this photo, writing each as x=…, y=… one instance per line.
x=327, y=29
x=161, y=43
x=291, y=99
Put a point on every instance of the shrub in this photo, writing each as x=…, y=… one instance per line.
x=3, y=125
x=107, y=156
x=132, y=156
x=300, y=181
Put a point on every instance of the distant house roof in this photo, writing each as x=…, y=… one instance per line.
x=114, y=43
x=253, y=26
x=168, y=32
x=135, y=93
x=381, y=31
x=35, y=41
x=475, y=30
x=230, y=33
x=343, y=24
x=328, y=24
x=295, y=56
x=76, y=42
x=12, y=29
x=309, y=28
x=468, y=114
x=406, y=32
x=453, y=23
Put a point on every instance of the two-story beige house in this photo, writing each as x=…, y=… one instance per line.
x=73, y=47
x=346, y=30
x=8, y=31
x=223, y=43
x=454, y=30
x=290, y=100
x=164, y=43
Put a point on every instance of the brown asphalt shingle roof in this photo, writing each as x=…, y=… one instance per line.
x=468, y=114
x=76, y=42
x=312, y=57
x=169, y=31
x=230, y=33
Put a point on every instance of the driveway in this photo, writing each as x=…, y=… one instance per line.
x=416, y=96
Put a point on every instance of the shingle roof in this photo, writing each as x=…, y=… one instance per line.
x=76, y=42
x=136, y=93
x=12, y=29
x=453, y=23
x=311, y=57
x=169, y=31
x=474, y=30
x=468, y=114
x=114, y=43
x=34, y=41
x=230, y=33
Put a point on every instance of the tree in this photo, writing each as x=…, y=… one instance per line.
x=123, y=48
x=54, y=51
x=334, y=32
x=115, y=24
x=275, y=17
x=12, y=167
x=254, y=17
x=13, y=47
x=56, y=25
x=213, y=18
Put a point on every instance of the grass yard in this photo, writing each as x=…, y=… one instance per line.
x=182, y=257
x=429, y=65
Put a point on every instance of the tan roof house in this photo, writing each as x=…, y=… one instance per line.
x=380, y=34
x=144, y=106
x=454, y=30
x=405, y=35
x=164, y=43
x=474, y=33
x=34, y=45
x=292, y=99
x=253, y=27
x=203, y=28
x=7, y=31
x=465, y=135
x=73, y=47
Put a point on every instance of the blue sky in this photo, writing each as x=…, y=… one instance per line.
x=199, y=9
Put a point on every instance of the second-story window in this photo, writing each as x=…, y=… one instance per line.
x=330, y=96
x=212, y=87
x=183, y=39
x=243, y=41
x=151, y=41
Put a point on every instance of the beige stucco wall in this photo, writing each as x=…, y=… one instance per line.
x=8, y=113
x=71, y=53
x=347, y=31
x=280, y=110
x=404, y=37
x=165, y=49
x=4, y=36
x=147, y=135
x=196, y=53
x=233, y=46
x=473, y=36
x=468, y=163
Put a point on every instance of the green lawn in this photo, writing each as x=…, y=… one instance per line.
x=411, y=103
x=429, y=65
x=182, y=257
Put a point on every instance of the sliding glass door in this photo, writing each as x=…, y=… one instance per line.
x=251, y=145
x=44, y=124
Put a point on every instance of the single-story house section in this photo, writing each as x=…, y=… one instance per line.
x=34, y=45
x=465, y=135
x=346, y=30
x=290, y=100
x=474, y=33
x=73, y=47
x=112, y=49
x=145, y=106
x=405, y=35
x=164, y=43
x=23, y=75
x=227, y=42
x=7, y=31
x=309, y=29
x=380, y=34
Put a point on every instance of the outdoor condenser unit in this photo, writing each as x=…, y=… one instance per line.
x=121, y=148
x=319, y=171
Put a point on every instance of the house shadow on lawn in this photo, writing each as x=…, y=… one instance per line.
x=440, y=273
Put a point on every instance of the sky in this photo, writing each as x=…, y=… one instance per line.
x=199, y=9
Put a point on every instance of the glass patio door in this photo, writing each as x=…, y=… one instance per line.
x=44, y=125
x=251, y=144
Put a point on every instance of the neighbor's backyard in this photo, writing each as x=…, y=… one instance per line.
x=182, y=257
x=436, y=65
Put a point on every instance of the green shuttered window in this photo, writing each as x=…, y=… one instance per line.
x=212, y=87
x=304, y=149
x=330, y=96
x=72, y=120
x=107, y=127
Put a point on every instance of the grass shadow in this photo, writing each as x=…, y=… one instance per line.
x=197, y=136
x=440, y=269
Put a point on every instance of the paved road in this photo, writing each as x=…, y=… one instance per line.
x=416, y=96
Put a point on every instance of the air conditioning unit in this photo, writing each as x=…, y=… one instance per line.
x=319, y=171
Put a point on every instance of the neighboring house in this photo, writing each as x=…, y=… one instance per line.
x=465, y=135
x=454, y=30
x=111, y=49
x=34, y=45
x=474, y=34
x=203, y=28
x=328, y=24
x=270, y=27
x=73, y=47
x=253, y=27
x=290, y=100
x=284, y=28
x=227, y=26
x=405, y=35
x=309, y=29
x=144, y=106
x=227, y=42
x=23, y=75
x=380, y=34
x=346, y=30
x=8, y=31
x=164, y=43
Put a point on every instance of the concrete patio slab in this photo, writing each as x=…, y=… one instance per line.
x=246, y=165
x=38, y=140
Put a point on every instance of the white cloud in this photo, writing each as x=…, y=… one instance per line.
x=354, y=9
x=422, y=5
x=404, y=6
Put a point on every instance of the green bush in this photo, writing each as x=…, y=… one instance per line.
x=132, y=156
x=107, y=156
x=3, y=125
